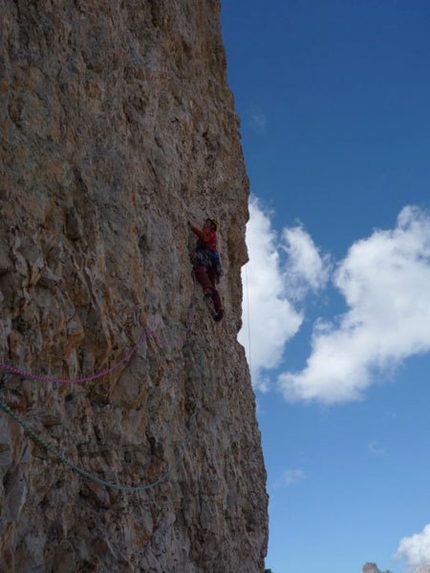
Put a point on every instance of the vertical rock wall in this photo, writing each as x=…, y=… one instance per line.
x=117, y=125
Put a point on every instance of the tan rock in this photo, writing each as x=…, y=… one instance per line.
x=117, y=127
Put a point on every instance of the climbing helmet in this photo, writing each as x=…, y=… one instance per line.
x=215, y=221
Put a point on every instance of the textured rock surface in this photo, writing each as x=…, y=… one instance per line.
x=116, y=126
x=372, y=568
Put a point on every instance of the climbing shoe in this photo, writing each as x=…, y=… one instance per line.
x=219, y=316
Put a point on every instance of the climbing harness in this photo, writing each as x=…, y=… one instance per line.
x=12, y=370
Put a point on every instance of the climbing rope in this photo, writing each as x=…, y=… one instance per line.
x=12, y=370
x=85, y=473
x=248, y=318
x=40, y=378
x=126, y=358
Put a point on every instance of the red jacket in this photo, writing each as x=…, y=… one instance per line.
x=207, y=238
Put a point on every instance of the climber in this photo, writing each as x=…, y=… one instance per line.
x=206, y=263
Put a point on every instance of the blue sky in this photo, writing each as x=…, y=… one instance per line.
x=334, y=101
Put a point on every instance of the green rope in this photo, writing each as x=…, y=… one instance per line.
x=86, y=474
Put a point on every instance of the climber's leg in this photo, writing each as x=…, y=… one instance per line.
x=217, y=300
x=216, y=297
x=202, y=278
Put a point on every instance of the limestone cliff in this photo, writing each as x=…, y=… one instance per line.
x=372, y=568
x=117, y=125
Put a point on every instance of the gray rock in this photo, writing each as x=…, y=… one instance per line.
x=372, y=568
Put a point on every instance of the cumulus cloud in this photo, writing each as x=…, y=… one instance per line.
x=307, y=269
x=269, y=318
x=416, y=550
x=385, y=282
x=423, y=568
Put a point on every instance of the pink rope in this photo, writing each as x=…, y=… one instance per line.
x=40, y=378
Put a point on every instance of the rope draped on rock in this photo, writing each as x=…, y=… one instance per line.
x=40, y=378
x=85, y=473
x=12, y=370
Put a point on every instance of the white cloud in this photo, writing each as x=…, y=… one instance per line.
x=385, y=281
x=376, y=450
x=269, y=318
x=423, y=568
x=293, y=476
x=306, y=268
x=415, y=549
x=258, y=119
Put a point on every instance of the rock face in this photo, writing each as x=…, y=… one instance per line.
x=372, y=568
x=117, y=125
